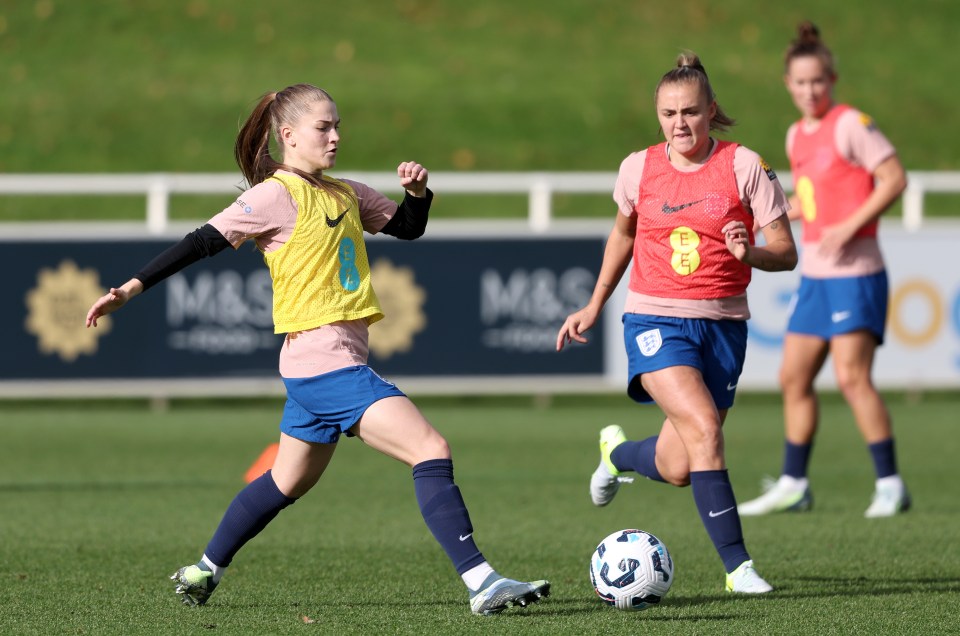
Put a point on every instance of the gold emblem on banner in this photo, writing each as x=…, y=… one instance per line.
x=57, y=309
x=402, y=302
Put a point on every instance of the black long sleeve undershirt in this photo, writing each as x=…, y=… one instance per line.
x=410, y=220
x=202, y=242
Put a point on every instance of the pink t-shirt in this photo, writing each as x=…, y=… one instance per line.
x=267, y=214
x=858, y=140
x=762, y=196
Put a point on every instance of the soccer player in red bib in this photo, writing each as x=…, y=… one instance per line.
x=310, y=228
x=686, y=213
x=846, y=174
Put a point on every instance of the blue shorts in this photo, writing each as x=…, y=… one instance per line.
x=827, y=307
x=320, y=408
x=716, y=348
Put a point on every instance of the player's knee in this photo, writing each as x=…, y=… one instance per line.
x=676, y=472
x=296, y=485
x=793, y=383
x=441, y=449
x=853, y=382
x=434, y=446
x=678, y=479
x=784, y=378
x=708, y=440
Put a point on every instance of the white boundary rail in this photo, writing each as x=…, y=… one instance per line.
x=538, y=186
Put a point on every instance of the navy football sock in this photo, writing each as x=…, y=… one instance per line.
x=250, y=511
x=796, y=458
x=884, y=458
x=717, y=506
x=638, y=457
x=445, y=513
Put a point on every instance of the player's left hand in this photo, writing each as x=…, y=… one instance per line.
x=834, y=237
x=574, y=327
x=413, y=178
x=738, y=239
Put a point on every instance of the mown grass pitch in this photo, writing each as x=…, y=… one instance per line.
x=495, y=86
x=100, y=502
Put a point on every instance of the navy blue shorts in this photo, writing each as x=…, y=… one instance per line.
x=320, y=408
x=716, y=348
x=827, y=307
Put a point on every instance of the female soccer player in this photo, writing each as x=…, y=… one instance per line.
x=846, y=174
x=686, y=212
x=310, y=229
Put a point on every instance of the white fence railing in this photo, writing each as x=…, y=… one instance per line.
x=539, y=188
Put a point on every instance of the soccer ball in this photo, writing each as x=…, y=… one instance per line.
x=631, y=570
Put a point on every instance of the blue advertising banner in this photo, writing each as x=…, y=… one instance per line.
x=455, y=307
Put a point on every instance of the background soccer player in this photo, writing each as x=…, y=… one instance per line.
x=846, y=174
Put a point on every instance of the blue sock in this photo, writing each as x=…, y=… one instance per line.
x=445, y=513
x=638, y=457
x=884, y=458
x=796, y=458
x=250, y=511
x=717, y=506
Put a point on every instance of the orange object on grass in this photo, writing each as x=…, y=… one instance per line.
x=263, y=463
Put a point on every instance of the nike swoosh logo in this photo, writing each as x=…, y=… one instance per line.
x=464, y=537
x=839, y=316
x=722, y=512
x=667, y=209
x=731, y=387
x=335, y=222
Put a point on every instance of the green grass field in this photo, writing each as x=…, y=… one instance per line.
x=100, y=502
x=514, y=85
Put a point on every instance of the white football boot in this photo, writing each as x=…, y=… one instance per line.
x=889, y=498
x=785, y=494
x=605, y=481
x=745, y=580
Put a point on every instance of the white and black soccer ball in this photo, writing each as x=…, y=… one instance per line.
x=631, y=570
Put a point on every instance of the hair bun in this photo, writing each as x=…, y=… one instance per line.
x=807, y=32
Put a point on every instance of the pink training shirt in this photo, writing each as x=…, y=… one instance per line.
x=859, y=142
x=267, y=214
x=761, y=195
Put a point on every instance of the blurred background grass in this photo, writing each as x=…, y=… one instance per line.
x=151, y=85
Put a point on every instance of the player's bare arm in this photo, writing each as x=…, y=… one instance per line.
x=113, y=300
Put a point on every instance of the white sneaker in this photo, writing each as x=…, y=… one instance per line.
x=745, y=580
x=605, y=481
x=889, y=498
x=786, y=493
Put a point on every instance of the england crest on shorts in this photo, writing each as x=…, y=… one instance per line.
x=649, y=342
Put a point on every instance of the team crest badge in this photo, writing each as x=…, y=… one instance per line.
x=649, y=342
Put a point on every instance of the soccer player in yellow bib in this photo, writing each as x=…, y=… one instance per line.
x=846, y=174
x=310, y=228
